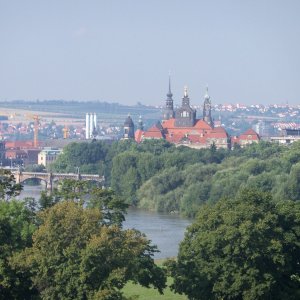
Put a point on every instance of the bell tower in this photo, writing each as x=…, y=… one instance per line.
x=168, y=112
x=185, y=115
x=207, y=109
x=128, y=128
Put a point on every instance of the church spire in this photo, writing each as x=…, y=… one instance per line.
x=206, y=96
x=168, y=112
x=207, y=109
x=170, y=93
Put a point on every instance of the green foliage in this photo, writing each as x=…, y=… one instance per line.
x=293, y=183
x=157, y=175
x=87, y=156
x=16, y=229
x=111, y=206
x=75, y=256
x=264, y=166
x=138, y=292
x=47, y=200
x=35, y=168
x=8, y=186
x=241, y=248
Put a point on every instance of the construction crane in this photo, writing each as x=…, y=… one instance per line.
x=36, y=119
x=66, y=132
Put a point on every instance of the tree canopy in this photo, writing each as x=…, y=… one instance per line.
x=191, y=177
x=17, y=224
x=246, y=247
x=74, y=256
x=71, y=247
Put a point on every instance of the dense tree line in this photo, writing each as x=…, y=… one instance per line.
x=156, y=175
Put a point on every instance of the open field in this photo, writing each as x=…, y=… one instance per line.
x=143, y=293
x=67, y=113
x=151, y=294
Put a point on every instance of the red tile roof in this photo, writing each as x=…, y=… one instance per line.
x=250, y=134
x=201, y=124
x=200, y=133
x=153, y=133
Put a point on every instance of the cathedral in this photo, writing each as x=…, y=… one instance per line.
x=182, y=127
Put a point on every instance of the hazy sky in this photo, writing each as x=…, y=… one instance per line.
x=122, y=51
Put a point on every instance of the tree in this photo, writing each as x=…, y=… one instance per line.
x=35, y=168
x=47, y=200
x=75, y=256
x=241, y=248
x=16, y=228
x=8, y=186
x=72, y=189
x=111, y=206
x=293, y=183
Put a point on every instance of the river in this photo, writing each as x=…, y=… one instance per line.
x=164, y=230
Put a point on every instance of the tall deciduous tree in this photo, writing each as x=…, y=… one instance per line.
x=243, y=248
x=8, y=186
x=16, y=228
x=112, y=207
x=75, y=256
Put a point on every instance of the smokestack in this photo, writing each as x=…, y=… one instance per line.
x=95, y=121
x=87, y=126
x=91, y=125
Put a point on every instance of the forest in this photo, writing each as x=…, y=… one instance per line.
x=243, y=243
x=158, y=176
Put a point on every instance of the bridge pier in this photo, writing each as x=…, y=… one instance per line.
x=18, y=176
x=49, y=182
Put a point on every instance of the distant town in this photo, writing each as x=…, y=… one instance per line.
x=35, y=132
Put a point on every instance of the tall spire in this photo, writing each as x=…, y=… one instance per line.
x=169, y=95
x=168, y=112
x=207, y=109
x=206, y=96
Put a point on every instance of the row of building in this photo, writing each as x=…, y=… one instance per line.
x=181, y=127
x=21, y=153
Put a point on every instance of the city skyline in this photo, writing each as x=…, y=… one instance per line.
x=122, y=51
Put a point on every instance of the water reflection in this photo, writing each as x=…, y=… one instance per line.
x=164, y=230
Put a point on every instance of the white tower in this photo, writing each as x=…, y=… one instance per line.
x=87, y=126
x=95, y=122
x=91, y=125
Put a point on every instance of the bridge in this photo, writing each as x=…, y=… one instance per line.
x=51, y=178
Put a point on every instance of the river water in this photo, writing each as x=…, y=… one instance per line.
x=164, y=230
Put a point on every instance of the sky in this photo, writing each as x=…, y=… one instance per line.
x=122, y=51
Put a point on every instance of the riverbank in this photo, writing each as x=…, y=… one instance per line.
x=164, y=230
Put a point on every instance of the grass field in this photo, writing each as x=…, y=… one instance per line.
x=150, y=294
x=131, y=289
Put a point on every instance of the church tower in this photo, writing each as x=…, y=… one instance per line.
x=207, y=109
x=185, y=115
x=141, y=123
x=168, y=111
x=128, y=128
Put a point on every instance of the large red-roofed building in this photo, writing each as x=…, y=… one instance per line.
x=181, y=127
